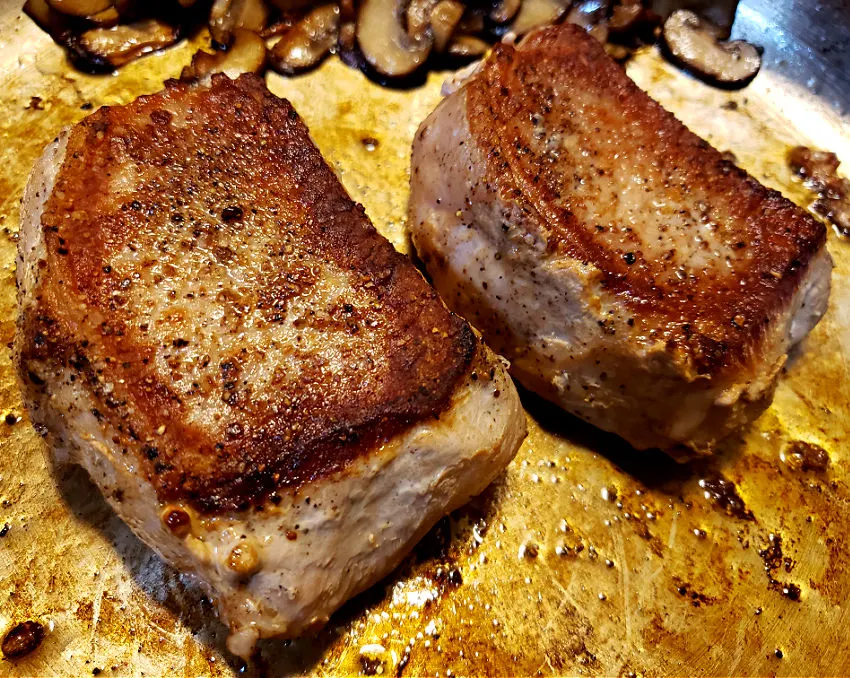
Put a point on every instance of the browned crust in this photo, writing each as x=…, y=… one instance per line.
x=405, y=352
x=715, y=321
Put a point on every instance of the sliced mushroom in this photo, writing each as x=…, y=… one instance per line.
x=106, y=18
x=246, y=54
x=418, y=18
x=222, y=21
x=307, y=42
x=119, y=45
x=625, y=15
x=721, y=13
x=504, y=10
x=385, y=43
x=279, y=26
x=129, y=10
x=253, y=15
x=445, y=17
x=226, y=15
x=441, y=17
x=692, y=42
x=80, y=8
x=47, y=18
x=468, y=47
x=291, y=5
x=534, y=13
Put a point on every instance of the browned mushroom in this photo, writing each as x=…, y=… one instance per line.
x=505, y=10
x=80, y=8
x=47, y=18
x=534, y=13
x=692, y=42
x=721, y=13
x=291, y=5
x=625, y=15
x=118, y=45
x=467, y=47
x=441, y=17
x=106, y=18
x=385, y=43
x=418, y=18
x=445, y=17
x=279, y=26
x=226, y=15
x=307, y=42
x=246, y=54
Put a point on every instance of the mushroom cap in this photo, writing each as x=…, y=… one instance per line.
x=385, y=43
x=246, y=54
x=80, y=8
x=307, y=42
x=693, y=43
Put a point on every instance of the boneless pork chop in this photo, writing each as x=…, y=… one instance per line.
x=629, y=272
x=267, y=392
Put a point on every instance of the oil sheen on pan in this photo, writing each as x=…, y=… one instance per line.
x=584, y=558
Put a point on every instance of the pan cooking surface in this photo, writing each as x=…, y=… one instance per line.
x=586, y=557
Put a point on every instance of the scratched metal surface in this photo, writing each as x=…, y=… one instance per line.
x=584, y=558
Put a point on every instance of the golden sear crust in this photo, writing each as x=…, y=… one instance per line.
x=239, y=320
x=703, y=255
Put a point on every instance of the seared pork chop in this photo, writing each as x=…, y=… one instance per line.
x=268, y=393
x=630, y=273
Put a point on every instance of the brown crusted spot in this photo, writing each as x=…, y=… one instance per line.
x=22, y=639
x=253, y=328
x=800, y=455
x=774, y=562
x=678, y=233
x=723, y=494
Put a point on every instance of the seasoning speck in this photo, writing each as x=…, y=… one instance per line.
x=232, y=213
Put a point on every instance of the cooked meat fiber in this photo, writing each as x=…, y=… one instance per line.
x=629, y=272
x=266, y=391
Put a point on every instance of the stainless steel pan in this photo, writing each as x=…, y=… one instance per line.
x=586, y=557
